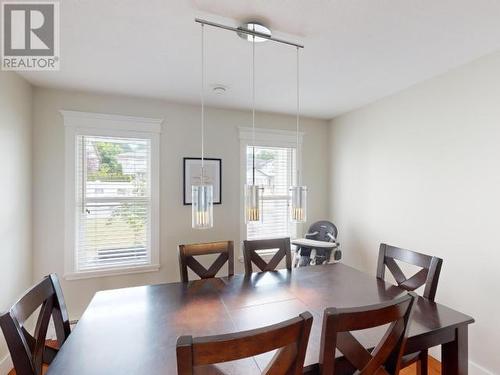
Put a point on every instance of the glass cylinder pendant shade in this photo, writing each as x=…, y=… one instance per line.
x=202, y=208
x=298, y=206
x=253, y=203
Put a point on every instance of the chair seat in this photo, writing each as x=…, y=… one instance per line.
x=427, y=276
x=188, y=252
x=288, y=339
x=30, y=352
x=387, y=356
x=251, y=249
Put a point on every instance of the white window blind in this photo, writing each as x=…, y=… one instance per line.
x=275, y=170
x=113, y=210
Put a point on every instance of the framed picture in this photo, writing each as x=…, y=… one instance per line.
x=212, y=176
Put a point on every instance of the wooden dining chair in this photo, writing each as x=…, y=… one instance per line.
x=29, y=352
x=250, y=254
x=187, y=254
x=428, y=275
x=289, y=338
x=385, y=358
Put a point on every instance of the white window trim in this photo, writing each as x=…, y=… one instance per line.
x=119, y=126
x=270, y=138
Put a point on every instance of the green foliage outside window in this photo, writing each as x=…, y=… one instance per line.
x=109, y=167
x=265, y=155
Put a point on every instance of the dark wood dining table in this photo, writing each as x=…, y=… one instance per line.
x=134, y=330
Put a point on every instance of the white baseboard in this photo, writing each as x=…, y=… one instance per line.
x=475, y=369
x=5, y=365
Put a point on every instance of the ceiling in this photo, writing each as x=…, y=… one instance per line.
x=356, y=51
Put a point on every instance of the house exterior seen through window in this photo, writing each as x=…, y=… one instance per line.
x=112, y=182
x=114, y=202
x=275, y=171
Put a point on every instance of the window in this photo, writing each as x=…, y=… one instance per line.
x=274, y=169
x=112, y=194
x=276, y=159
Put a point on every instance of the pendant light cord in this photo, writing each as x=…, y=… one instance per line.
x=202, y=102
x=253, y=109
x=298, y=119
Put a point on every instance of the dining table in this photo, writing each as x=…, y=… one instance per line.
x=134, y=330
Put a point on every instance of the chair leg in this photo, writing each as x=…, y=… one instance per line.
x=423, y=363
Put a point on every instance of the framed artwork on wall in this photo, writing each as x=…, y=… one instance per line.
x=192, y=176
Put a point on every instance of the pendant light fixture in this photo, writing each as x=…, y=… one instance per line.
x=252, y=32
x=202, y=193
x=298, y=193
x=253, y=192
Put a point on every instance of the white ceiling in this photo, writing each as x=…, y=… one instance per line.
x=356, y=51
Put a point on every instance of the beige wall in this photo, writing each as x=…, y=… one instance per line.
x=180, y=138
x=15, y=191
x=421, y=170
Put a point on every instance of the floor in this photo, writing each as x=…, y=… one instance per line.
x=434, y=368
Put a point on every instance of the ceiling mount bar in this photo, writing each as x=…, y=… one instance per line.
x=243, y=31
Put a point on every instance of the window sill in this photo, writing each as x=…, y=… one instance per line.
x=110, y=272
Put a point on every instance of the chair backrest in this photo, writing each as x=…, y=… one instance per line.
x=322, y=231
x=250, y=255
x=187, y=254
x=428, y=275
x=385, y=358
x=289, y=337
x=29, y=352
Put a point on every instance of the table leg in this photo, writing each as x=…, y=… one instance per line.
x=455, y=354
